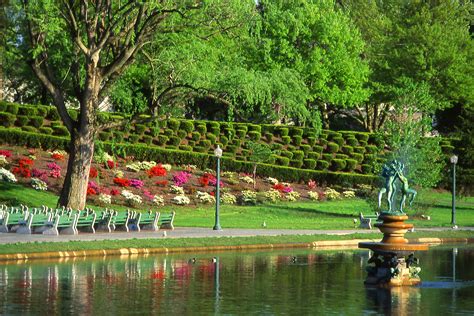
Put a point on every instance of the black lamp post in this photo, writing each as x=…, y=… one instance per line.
x=218, y=154
x=454, y=161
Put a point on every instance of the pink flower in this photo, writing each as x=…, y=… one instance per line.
x=181, y=178
x=53, y=166
x=55, y=173
x=148, y=195
x=136, y=183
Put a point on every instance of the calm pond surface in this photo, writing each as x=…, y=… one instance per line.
x=240, y=283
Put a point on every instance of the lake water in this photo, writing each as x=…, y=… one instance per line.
x=240, y=283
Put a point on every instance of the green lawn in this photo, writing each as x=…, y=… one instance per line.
x=293, y=215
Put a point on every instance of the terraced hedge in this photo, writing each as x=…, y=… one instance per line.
x=297, y=147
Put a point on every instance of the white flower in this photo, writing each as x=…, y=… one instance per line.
x=103, y=158
x=166, y=166
x=6, y=175
x=228, y=174
x=59, y=152
x=105, y=198
x=158, y=200
x=185, y=167
x=228, y=198
x=332, y=194
x=292, y=196
x=132, y=199
x=246, y=179
x=249, y=197
x=3, y=160
x=181, y=200
x=38, y=184
x=271, y=180
x=272, y=195
x=313, y=195
x=141, y=165
x=205, y=197
x=118, y=174
x=176, y=190
x=349, y=194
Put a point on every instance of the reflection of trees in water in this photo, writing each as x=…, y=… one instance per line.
x=275, y=283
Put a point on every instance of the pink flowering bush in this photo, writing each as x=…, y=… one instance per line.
x=181, y=178
x=40, y=174
x=136, y=183
x=148, y=195
x=55, y=170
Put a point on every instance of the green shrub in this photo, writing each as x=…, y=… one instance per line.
x=53, y=114
x=224, y=140
x=341, y=156
x=27, y=111
x=22, y=120
x=211, y=137
x=201, y=128
x=305, y=148
x=214, y=125
x=447, y=149
x=351, y=164
x=364, y=137
x=215, y=131
x=297, y=131
x=282, y=161
x=296, y=163
x=236, y=142
x=140, y=129
x=309, y=163
x=168, y=132
x=347, y=149
x=359, y=149
x=154, y=131
x=327, y=157
x=3, y=106
x=174, y=141
x=443, y=142
x=13, y=108
x=298, y=155
x=241, y=133
x=30, y=129
x=378, y=140
x=323, y=142
x=362, y=143
x=287, y=154
x=147, y=139
x=371, y=149
x=254, y=135
x=195, y=136
x=352, y=141
x=358, y=157
x=133, y=138
x=191, y=143
x=338, y=164
x=318, y=149
x=338, y=140
x=60, y=130
x=74, y=114
x=333, y=134
x=173, y=124
x=37, y=121
x=277, y=146
x=56, y=123
x=118, y=136
x=161, y=140
x=245, y=153
x=285, y=140
x=297, y=140
x=268, y=137
x=181, y=133
x=229, y=132
x=311, y=141
x=324, y=135
x=254, y=128
x=187, y=126
x=322, y=165
x=232, y=149
x=241, y=126
x=46, y=130
x=366, y=169
x=185, y=147
x=369, y=158
x=200, y=149
x=283, y=131
x=104, y=136
x=332, y=147
x=205, y=143
x=290, y=148
x=314, y=155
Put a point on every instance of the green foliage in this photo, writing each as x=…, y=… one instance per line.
x=254, y=135
x=196, y=136
x=285, y=140
x=297, y=132
x=338, y=164
x=298, y=155
x=46, y=130
x=309, y=163
x=283, y=131
x=367, y=169
x=60, y=131
x=297, y=140
x=27, y=111
x=22, y=120
x=53, y=114
x=327, y=157
x=169, y=132
x=30, y=129
x=241, y=133
x=140, y=129
x=212, y=138
x=13, y=108
x=305, y=148
x=104, y=136
x=174, y=141
x=282, y=161
x=146, y=139
x=332, y=147
x=37, y=121
x=351, y=164
x=311, y=140
x=161, y=140
x=314, y=155
x=357, y=156
x=322, y=164
x=187, y=126
x=259, y=152
x=347, y=149
x=318, y=149
x=223, y=140
x=201, y=128
x=338, y=140
x=352, y=141
x=268, y=137
x=296, y=163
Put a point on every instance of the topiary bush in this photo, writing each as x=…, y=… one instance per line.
x=287, y=154
x=42, y=111
x=364, y=137
x=322, y=165
x=358, y=157
x=351, y=164
x=200, y=149
x=352, y=141
x=231, y=149
x=168, y=132
x=185, y=147
x=187, y=126
x=174, y=124
x=282, y=161
x=362, y=143
x=332, y=147
x=224, y=140
x=322, y=142
x=268, y=137
x=371, y=149
x=37, y=121
x=154, y=131
x=254, y=128
x=327, y=157
x=296, y=163
x=30, y=129
x=297, y=131
x=195, y=136
x=22, y=120
x=277, y=146
x=27, y=111
x=60, y=131
x=298, y=155
x=359, y=149
x=205, y=143
x=174, y=141
x=285, y=140
x=297, y=140
x=161, y=140
x=140, y=129
x=53, y=114
x=305, y=148
x=3, y=106
x=254, y=135
x=318, y=149
x=347, y=149
x=182, y=133
x=341, y=156
x=311, y=141
x=133, y=138
x=104, y=136
x=314, y=155
x=283, y=131
x=241, y=133
x=378, y=140
x=338, y=164
x=338, y=140
x=118, y=136
x=309, y=163
x=46, y=130
x=13, y=108
x=366, y=169
x=211, y=137
x=201, y=128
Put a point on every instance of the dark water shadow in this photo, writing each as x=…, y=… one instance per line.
x=313, y=211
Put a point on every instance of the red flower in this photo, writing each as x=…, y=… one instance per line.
x=111, y=164
x=24, y=172
x=122, y=182
x=114, y=192
x=25, y=163
x=5, y=153
x=279, y=187
x=93, y=173
x=212, y=193
x=57, y=156
x=91, y=191
x=156, y=171
x=162, y=183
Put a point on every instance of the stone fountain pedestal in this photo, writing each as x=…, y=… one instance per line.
x=393, y=262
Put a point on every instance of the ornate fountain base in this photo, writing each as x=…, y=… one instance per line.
x=393, y=262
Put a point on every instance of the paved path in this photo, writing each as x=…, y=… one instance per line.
x=190, y=232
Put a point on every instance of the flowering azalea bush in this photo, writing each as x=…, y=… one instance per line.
x=156, y=171
x=332, y=194
x=3, y=160
x=181, y=178
x=38, y=184
x=248, y=197
x=181, y=200
x=228, y=198
x=123, y=182
x=93, y=173
x=158, y=200
x=103, y=157
x=7, y=176
x=167, y=166
x=177, y=190
x=132, y=199
x=313, y=195
x=246, y=179
x=105, y=198
x=92, y=188
x=111, y=164
x=57, y=156
x=141, y=165
x=311, y=184
x=136, y=183
x=114, y=192
x=204, y=197
x=292, y=196
x=283, y=187
x=271, y=180
x=55, y=170
x=40, y=174
x=189, y=168
x=6, y=153
x=272, y=195
x=348, y=194
x=22, y=171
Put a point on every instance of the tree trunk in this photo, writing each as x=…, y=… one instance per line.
x=81, y=151
x=254, y=176
x=325, y=115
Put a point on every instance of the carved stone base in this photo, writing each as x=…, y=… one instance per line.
x=388, y=270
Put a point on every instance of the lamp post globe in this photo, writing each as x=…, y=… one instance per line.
x=454, y=160
x=218, y=154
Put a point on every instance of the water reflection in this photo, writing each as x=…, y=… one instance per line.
x=280, y=282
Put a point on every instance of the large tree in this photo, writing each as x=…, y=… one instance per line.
x=78, y=48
